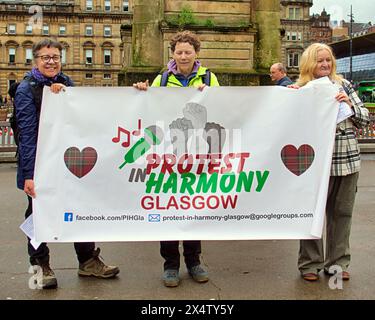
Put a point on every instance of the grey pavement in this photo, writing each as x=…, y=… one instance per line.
x=241, y=270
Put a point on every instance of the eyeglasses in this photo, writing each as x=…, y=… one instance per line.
x=47, y=58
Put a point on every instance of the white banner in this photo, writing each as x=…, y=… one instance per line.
x=118, y=164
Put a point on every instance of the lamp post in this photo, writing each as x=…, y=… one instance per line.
x=351, y=44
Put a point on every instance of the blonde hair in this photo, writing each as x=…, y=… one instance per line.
x=309, y=61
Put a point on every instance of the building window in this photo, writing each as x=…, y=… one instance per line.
x=88, y=76
x=28, y=55
x=29, y=29
x=12, y=55
x=294, y=36
x=125, y=6
x=89, y=5
x=293, y=60
x=107, y=76
x=45, y=30
x=107, y=31
x=107, y=5
x=89, y=31
x=63, y=56
x=294, y=13
x=88, y=55
x=62, y=30
x=12, y=29
x=107, y=56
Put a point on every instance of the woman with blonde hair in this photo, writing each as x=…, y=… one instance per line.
x=318, y=61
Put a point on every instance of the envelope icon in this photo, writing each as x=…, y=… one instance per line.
x=154, y=217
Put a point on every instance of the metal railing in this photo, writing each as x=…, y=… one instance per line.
x=367, y=135
x=7, y=143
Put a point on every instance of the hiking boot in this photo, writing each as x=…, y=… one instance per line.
x=170, y=278
x=44, y=277
x=198, y=273
x=95, y=267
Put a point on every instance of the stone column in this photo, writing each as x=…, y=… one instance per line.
x=266, y=15
x=146, y=35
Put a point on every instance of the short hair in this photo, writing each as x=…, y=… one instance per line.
x=186, y=36
x=309, y=61
x=281, y=67
x=46, y=43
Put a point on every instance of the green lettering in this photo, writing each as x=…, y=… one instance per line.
x=205, y=184
x=171, y=183
x=151, y=182
x=245, y=181
x=229, y=186
x=261, y=178
x=188, y=180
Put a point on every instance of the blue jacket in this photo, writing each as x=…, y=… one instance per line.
x=27, y=114
x=284, y=82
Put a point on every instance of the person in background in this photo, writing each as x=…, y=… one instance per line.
x=28, y=101
x=184, y=70
x=278, y=74
x=318, y=61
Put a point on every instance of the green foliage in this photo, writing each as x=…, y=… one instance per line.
x=209, y=23
x=186, y=17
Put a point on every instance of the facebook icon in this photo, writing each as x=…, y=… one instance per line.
x=68, y=217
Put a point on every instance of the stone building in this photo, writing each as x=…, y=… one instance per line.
x=115, y=42
x=88, y=29
x=320, y=28
x=240, y=39
x=296, y=28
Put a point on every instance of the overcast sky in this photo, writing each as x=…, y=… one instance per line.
x=363, y=10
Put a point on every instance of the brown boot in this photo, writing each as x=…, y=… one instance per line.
x=44, y=276
x=95, y=267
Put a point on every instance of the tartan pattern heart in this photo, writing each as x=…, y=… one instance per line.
x=80, y=163
x=297, y=160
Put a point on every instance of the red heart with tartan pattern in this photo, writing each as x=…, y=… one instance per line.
x=78, y=162
x=298, y=160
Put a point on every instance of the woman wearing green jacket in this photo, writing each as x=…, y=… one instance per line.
x=184, y=70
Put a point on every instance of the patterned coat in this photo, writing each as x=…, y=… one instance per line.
x=346, y=153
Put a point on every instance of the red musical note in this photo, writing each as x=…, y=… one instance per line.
x=117, y=139
x=137, y=132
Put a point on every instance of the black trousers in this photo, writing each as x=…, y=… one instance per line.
x=169, y=251
x=84, y=250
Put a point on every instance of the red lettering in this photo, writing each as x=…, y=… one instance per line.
x=225, y=200
x=172, y=203
x=209, y=202
x=242, y=157
x=202, y=159
x=169, y=160
x=199, y=205
x=185, y=203
x=189, y=165
x=214, y=163
x=153, y=161
x=149, y=205
x=227, y=162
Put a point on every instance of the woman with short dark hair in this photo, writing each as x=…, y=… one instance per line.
x=28, y=101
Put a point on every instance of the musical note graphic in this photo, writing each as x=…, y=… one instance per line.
x=137, y=132
x=120, y=130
